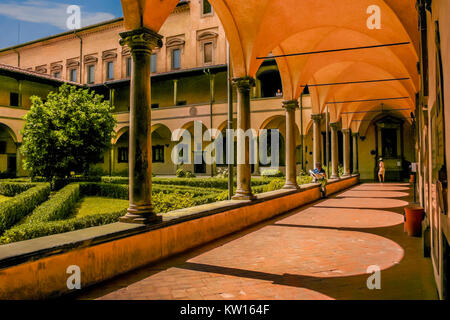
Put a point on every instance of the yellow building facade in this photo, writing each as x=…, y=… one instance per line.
x=189, y=83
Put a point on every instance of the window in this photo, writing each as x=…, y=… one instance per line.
x=183, y=153
x=208, y=53
x=207, y=8
x=14, y=99
x=158, y=154
x=57, y=75
x=73, y=75
x=91, y=74
x=129, y=66
x=2, y=147
x=270, y=81
x=123, y=155
x=389, y=143
x=153, y=63
x=176, y=59
x=109, y=70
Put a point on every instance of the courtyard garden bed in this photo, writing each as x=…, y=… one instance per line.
x=30, y=210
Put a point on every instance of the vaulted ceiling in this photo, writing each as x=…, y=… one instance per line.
x=257, y=28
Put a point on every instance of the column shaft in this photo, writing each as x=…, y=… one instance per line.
x=317, y=144
x=141, y=42
x=291, y=163
x=346, y=138
x=334, y=151
x=244, y=174
x=355, y=153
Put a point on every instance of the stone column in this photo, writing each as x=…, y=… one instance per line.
x=18, y=159
x=291, y=163
x=256, y=170
x=317, y=143
x=141, y=43
x=346, y=138
x=244, y=174
x=355, y=153
x=334, y=150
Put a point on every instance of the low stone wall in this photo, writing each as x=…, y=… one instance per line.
x=335, y=186
x=37, y=269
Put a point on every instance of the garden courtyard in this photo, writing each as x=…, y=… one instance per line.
x=30, y=210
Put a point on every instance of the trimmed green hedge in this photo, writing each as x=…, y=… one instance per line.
x=107, y=190
x=11, y=189
x=218, y=183
x=195, y=191
x=14, y=210
x=115, y=180
x=275, y=184
x=163, y=203
x=42, y=229
x=60, y=206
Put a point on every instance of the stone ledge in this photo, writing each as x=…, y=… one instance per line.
x=34, y=249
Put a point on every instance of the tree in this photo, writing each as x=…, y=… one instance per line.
x=67, y=133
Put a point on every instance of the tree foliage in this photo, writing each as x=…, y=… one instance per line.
x=67, y=133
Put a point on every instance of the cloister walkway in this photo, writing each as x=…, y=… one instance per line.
x=317, y=252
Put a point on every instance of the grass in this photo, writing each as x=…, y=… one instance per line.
x=3, y=198
x=99, y=205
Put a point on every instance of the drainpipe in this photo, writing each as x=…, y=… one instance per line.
x=301, y=131
x=18, y=57
x=81, y=55
x=111, y=153
x=211, y=102
x=230, y=123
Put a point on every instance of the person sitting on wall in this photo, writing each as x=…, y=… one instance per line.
x=320, y=176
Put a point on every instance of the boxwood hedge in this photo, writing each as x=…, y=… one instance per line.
x=11, y=189
x=60, y=206
x=14, y=210
x=42, y=229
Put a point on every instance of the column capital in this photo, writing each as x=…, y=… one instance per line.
x=316, y=117
x=334, y=125
x=290, y=104
x=346, y=131
x=244, y=83
x=355, y=134
x=141, y=39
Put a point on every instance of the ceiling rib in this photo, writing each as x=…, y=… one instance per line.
x=334, y=50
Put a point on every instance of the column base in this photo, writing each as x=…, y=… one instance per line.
x=141, y=215
x=334, y=177
x=345, y=175
x=244, y=196
x=291, y=186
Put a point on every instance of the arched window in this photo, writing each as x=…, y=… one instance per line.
x=270, y=83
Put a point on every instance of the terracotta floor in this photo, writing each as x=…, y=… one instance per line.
x=317, y=252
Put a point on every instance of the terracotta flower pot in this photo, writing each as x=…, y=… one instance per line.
x=413, y=220
x=411, y=179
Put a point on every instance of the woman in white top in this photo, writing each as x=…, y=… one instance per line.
x=381, y=170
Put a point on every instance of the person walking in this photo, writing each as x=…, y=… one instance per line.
x=381, y=170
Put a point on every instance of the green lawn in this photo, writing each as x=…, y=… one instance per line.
x=98, y=205
x=3, y=198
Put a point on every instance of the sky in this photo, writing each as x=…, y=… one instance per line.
x=42, y=18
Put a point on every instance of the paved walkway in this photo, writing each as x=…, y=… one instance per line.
x=317, y=252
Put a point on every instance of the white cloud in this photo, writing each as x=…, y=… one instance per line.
x=41, y=11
